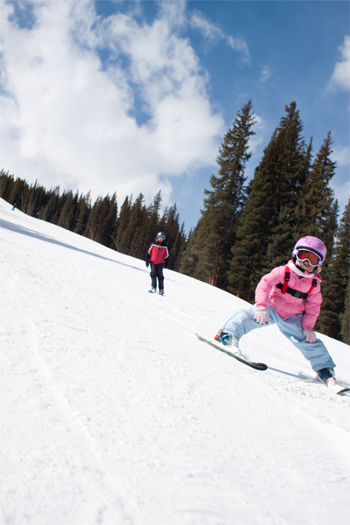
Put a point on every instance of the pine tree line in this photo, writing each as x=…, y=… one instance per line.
x=245, y=230
x=130, y=232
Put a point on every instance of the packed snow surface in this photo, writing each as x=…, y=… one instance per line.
x=113, y=412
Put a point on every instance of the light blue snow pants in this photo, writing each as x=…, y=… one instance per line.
x=243, y=322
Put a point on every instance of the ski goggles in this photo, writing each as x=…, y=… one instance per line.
x=310, y=257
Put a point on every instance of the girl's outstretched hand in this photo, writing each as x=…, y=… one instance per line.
x=261, y=315
x=310, y=335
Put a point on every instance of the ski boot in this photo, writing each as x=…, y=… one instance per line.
x=229, y=341
x=152, y=290
x=161, y=292
x=326, y=375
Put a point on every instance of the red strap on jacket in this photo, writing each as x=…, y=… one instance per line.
x=313, y=285
x=286, y=280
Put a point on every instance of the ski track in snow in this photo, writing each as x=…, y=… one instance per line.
x=112, y=411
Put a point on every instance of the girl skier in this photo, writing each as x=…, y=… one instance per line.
x=157, y=256
x=281, y=297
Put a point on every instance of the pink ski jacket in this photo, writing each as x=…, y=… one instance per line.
x=285, y=304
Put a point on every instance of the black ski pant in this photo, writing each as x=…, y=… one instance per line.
x=157, y=272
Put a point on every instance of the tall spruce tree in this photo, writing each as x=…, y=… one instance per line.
x=92, y=226
x=179, y=247
x=332, y=318
x=345, y=324
x=134, y=222
x=137, y=228
x=317, y=197
x=50, y=212
x=153, y=219
x=189, y=260
x=36, y=195
x=342, y=255
x=102, y=220
x=216, y=231
x=317, y=215
x=82, y=213
x=6, y=182
x=266, y=227
x=123, y=222
x=175, y=236
x=110, y=221
x=66, y=217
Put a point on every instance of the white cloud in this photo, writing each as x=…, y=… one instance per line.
x=259, y=128
x=256, y=143
x=173, y=12
x=213, y=32
x=341, y=155
x=265, y=74
x=209, y=30
x=341, y=74
x=64, y=118
x=342, y=192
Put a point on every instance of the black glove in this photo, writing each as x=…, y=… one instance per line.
x=147, y=264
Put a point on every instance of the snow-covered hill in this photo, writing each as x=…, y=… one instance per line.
x=113, y=413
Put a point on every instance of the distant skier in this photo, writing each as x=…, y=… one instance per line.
x=289, y=296
x=157, y=257
x=14, y=206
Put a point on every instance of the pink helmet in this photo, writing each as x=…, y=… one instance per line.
x=311, y=244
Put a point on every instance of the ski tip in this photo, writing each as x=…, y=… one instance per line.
x=344, y=392
x=261, y=366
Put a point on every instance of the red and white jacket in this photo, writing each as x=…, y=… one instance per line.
x=158, y=253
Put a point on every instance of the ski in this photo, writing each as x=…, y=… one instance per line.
x=256, y=366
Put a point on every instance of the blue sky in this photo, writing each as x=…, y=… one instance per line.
x=136, y=96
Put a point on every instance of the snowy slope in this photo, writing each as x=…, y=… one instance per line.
x=113, y=413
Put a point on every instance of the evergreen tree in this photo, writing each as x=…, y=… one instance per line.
x=135, y=234
x=317, y=197
x=342, y=247
x=66, y=217
x=175, y=238
x=91, y=228
x=335, y=282
x=36, y=199
x=179, y=247
x=153, y=217
x=345, y=325
x=189, y=260
x=223, y=205
x=17, y=193
x=82, y=213
x=108, y=219
x=50, y=212
x=102, y=219
x=6, y=182
x=123, y=222
x=268, y=218
x=134, y=221
x=111, y=222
